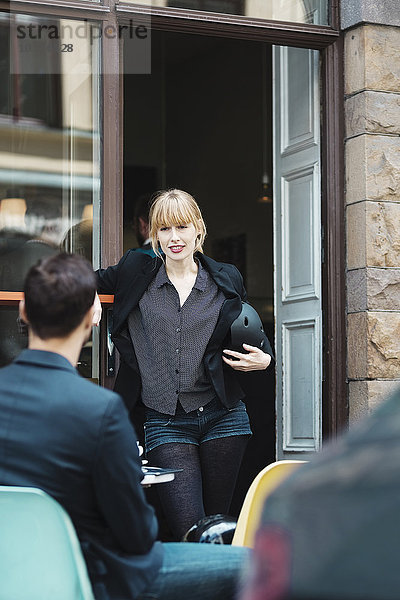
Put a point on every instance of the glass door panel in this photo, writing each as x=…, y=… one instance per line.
x=49, y=153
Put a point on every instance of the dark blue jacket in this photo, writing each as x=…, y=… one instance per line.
x=129, y=279
x=74, y=440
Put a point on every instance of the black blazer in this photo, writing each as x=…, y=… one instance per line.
x=73, y=439
x=129, y=279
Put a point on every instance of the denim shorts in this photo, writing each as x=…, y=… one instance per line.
x=196, y=427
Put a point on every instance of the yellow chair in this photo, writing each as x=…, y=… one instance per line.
x=265, y=482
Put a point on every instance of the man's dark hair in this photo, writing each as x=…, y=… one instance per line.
x=59, y=291
x=142, y=208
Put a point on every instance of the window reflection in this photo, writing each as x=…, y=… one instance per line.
x=298, y=11
x=49, y=143
x=13, y=339
x=235, y=7
x=49, y=154
x=78, y=238
x=24, y=239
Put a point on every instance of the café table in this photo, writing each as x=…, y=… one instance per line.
x=153, y=475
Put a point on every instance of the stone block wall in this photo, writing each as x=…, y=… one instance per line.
x=372, y=163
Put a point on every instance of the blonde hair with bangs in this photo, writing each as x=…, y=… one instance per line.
x=175, y=207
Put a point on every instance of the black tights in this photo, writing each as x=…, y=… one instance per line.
x=206, y=484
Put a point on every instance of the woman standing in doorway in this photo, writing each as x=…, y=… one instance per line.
x=172, y=315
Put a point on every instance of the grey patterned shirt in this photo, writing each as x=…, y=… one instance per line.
x=170, y=341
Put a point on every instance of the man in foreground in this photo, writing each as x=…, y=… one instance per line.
x=331, y=530
x=74, y=440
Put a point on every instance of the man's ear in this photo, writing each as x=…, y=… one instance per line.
x=22, y=311
x=143, y=227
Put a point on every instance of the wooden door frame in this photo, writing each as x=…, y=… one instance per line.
x=329, y=42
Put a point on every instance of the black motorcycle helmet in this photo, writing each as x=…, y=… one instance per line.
x=214, y=529
x=246, y=329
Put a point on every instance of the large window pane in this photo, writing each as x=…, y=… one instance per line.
x=299, y=11
x=49, y=148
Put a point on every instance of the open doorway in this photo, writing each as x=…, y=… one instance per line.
x=202, y=122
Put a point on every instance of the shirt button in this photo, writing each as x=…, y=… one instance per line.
x=201, y=409
x=177, y=329
x=177, y=350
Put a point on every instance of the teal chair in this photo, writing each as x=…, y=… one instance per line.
x=40, y=555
